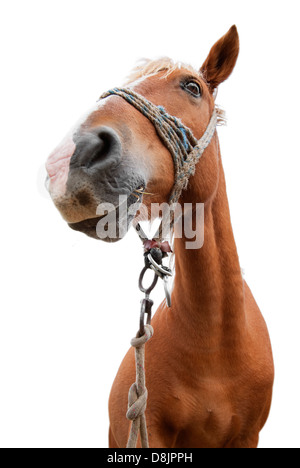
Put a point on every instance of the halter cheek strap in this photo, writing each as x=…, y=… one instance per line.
x=185, y=149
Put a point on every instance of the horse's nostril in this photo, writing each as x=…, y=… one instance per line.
x=97, y=149
x=108, y=148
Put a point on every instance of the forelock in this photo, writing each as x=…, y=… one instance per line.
x=148, y=67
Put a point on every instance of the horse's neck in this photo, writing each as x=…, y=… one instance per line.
x=208, y=293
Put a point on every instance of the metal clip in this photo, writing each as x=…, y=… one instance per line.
x=145, y=309
x=163, y=272
x=160, y=270
x=148, y=290
x=167, y=291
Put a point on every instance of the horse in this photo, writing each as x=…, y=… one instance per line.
x=209, y=364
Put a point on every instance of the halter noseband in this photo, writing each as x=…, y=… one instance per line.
x=185, y=149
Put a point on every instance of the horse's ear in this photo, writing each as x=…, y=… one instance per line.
x=221, y=59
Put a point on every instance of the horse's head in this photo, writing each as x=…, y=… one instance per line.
x=115, y=150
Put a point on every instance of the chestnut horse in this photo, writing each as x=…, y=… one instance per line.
x=209, y=365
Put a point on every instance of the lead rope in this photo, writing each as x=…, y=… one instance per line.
x=137, y=396
x=186, y=151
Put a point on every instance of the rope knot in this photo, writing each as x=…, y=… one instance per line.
x=138, y=342
x=137, y=396
x=137, y=402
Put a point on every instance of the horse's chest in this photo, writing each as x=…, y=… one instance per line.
x=212, y=412
x=207, y=416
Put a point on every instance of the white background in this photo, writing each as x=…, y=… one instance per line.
x=69, y=304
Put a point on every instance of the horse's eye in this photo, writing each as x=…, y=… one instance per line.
x=193, y=88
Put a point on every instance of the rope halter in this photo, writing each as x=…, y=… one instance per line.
x=185, y=149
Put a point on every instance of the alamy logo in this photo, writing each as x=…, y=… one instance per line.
x=188, y=220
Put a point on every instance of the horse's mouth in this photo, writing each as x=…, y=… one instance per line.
x=87, y=226
x=113, y=225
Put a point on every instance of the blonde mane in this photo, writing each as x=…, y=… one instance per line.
x=148, y=67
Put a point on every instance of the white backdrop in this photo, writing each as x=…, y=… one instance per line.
x=65, y=298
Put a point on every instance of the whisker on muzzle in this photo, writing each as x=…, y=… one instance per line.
x=142, y=192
